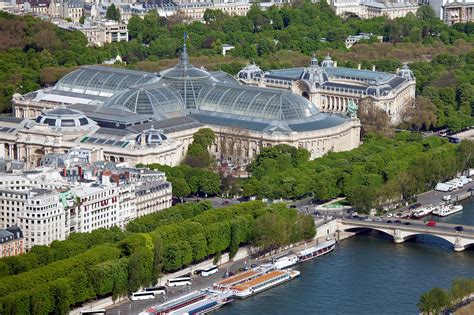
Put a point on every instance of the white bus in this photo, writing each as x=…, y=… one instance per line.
x=94, y=312
x=176, y=282
x=156, y=290
x=142, y=296
x=209, y=271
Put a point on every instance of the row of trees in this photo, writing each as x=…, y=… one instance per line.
x=380, y=171
x=438, y=299
x=160, y=242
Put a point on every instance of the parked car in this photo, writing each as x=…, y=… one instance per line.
x=253, y=266
x=407, y=223
x=389, y=221
x=389, y=215
x=378, y=220
x=397, y=221
x=197, y=271
x=459, y=228
x=447, y=198
x=368, y=219
x=431, y=223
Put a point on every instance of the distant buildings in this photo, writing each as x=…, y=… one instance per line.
x=372, y=9
x=98, y=32
x=352, y=39
x=458, y=12
x=69, y=194
x=11, y=242
x=392, y=10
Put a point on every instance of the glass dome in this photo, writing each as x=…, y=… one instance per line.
x=255, y=102
x=406, y=73
x=151, y=137
x=382, y=89
x=186, y=79
x=327, y=62
x=64, y=118
x=102, y=81
x=155, y=100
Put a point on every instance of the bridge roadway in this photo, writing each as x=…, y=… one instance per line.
x=407, y=229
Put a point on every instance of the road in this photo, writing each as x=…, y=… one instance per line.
x=135, y=307
x=415, y=225
x=434, y=197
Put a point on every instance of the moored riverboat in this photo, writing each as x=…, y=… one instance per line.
x=446, y=210
x=316, y=251
x=264, y=282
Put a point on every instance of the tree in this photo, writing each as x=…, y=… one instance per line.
x=433, y=301
x=113, y=13
x=82, y=19
x=421, y=115
x=157, y=260
x=426, y=13
x=140, y=269
x=135, y=27
x=204, y=137
x=234, y=240
x=373, y=118
x=180, y=187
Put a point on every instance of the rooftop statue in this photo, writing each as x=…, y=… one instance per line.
x=352, y=109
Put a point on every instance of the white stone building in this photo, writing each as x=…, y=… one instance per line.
x=334, y=88
x=61, y=198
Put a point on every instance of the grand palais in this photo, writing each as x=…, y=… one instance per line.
x=131, y=116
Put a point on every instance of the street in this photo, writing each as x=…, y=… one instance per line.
x=199, y=282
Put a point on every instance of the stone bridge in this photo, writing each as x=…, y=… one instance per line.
x=402, y=232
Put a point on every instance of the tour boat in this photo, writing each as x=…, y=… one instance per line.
x=198, y=302
x=242, y=277
x=448, y=210
x=286, y=261
x=420, y=213
x=264, y=282
x=316, y=251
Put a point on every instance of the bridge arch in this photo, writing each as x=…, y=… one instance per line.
x=360, y=229
x=400, y=236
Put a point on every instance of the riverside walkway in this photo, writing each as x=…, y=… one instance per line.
x=406, y=229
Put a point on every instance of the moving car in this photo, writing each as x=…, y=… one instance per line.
x=431, y=223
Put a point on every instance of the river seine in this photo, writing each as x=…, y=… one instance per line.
x=368, y=274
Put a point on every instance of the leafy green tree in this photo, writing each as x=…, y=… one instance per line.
x=180, y=187
x=113, y=13
x=157, y=260
x=426, y=13
x=140, y=269
x=433, y=301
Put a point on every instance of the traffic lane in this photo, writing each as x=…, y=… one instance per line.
x=415, y=223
